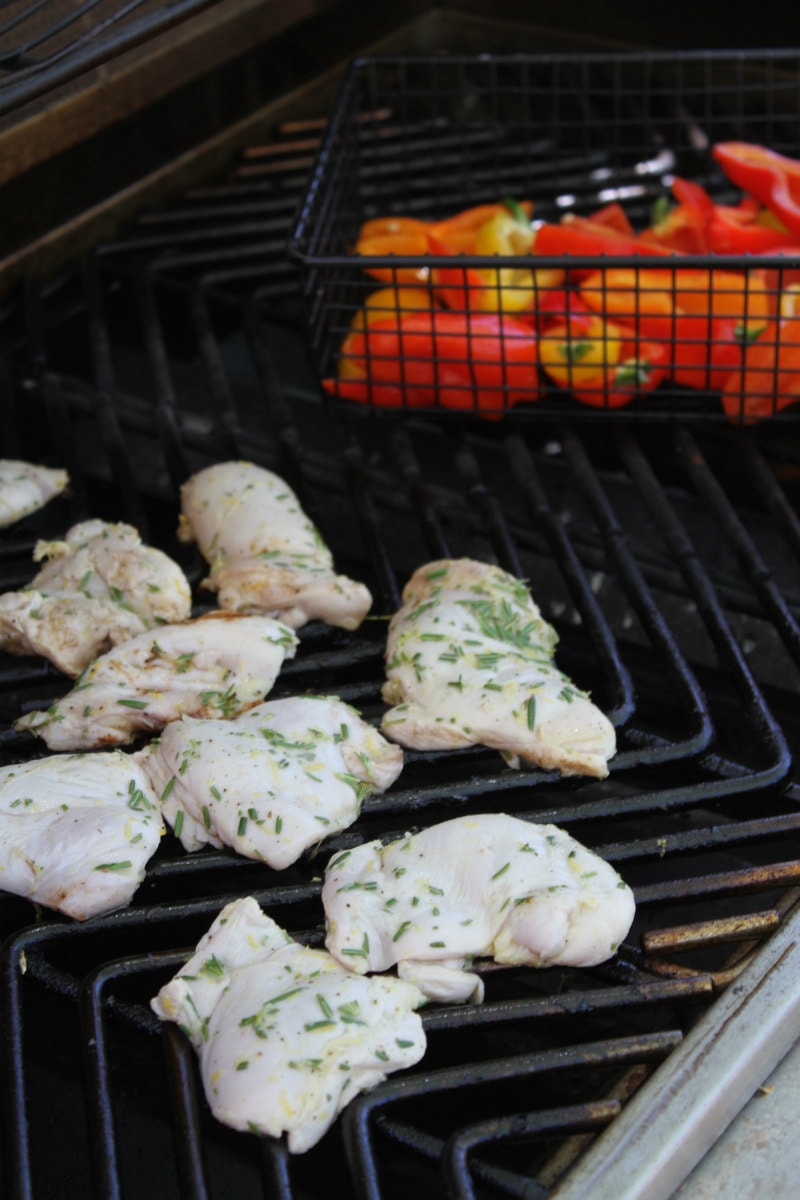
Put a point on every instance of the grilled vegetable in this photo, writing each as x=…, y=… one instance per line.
x=479, y=362
x=601, y=363
x=772, y=178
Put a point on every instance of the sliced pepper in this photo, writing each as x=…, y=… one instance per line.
x=772, y=178
x=510, y=289
x=769, y=377
x=600, y=363
x=479, y=362
x=390, y=302
x=582, y=236
x=649, y=298
x=682, y=228
x=704, y=351
x=385, y=304
x=412, y=244
x=613, y=216
x=642, y=299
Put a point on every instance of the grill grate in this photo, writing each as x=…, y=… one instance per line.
x=669, y=561
x=49, y=42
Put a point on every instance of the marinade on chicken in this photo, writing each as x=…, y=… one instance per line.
x=26, y=487
x=286, y=1037
x=469, y=661
x=77, y=831
x=264, y=552
x=273, y=781
x=99, y=586
x=217, y=665
x=482, y=886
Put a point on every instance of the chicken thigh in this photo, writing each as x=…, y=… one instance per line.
x=286, y=1037
x=26, y=487
x=76, y=831
x=469, y=661
x=217, y=665
x=265, y=554
x=97, y=588
x=272, y=782
x=474, y=886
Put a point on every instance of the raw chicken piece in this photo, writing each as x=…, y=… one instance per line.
x=265, y=554
x=274, y=781
x=26, y=487
x=77, y=831
x=97, y=588
x=217, y=665
x=286, y=1037
x=469, y=661
x=475, y=886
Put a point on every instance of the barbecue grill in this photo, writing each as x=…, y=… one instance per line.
x=668, y=557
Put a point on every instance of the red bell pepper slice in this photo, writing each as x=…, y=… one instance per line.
x=478, y=362
x=683, y=229
x=582, y=236
x=705, y=351
x=732, y=232
x=614, y=217
x=558, y=305
x=772, y=178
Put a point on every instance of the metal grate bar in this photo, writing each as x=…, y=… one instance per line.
x=360, y=1116
x=732, y=527
x=577, y=1117
x=114, y=33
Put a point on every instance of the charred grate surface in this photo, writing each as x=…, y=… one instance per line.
x=669, y=562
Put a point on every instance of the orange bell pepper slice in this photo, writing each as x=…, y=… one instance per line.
x=410, y=243
x=387, y=302
x=642, y=299
x=769, y=377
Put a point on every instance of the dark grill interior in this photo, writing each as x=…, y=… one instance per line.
x=668, y=559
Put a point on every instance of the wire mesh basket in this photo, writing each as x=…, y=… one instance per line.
x=558, y=164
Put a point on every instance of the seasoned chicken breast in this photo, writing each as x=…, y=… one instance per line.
x=489, y=885
x=469, y=660
x=26, y=487
x=77, y=831
x=97, y=588
x=272, y=782
x=217, y=665
x=286, y=1037
x=265, y=554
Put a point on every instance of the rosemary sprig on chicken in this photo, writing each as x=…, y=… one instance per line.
x=264, y=552
x=274, y=781
x=469, y=661
x=98, y=587
x=215, y=666
x=482, y=886
x=286, y=1037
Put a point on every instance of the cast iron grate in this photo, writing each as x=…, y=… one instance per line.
x=49, y=42
x=669, y=561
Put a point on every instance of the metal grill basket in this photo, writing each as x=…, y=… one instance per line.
x=430, y=137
